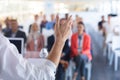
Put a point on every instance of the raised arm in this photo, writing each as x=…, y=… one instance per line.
x=61, y=35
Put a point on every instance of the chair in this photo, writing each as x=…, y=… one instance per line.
x=89, y=68
x=19, y=43
x=116, y=51
x=70, y=70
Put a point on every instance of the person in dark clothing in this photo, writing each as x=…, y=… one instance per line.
x=43, y=23
x=100, y=25
x=60, y=75
x=8, y=26
x=14, y=32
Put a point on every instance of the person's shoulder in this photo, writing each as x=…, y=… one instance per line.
x=22, y=32
x=86, y=35
x=8, y=33
x=51, y=36
x=74, y=34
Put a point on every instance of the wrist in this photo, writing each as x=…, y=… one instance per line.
x=60, y=41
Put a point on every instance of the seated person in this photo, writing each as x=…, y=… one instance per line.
x=7, y=25
x=80, y=47
x=14, y=67
x=35, y=42
x=116, y=30
x=15, y=32
x=60, y=75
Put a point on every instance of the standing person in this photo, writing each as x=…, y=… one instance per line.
x=77, y=19
x=35, y=41
x=36, y=20
x=43, y=23
x=80, y=47
x=108, y=26
x=14, y=67
x=60, y=75
x=108, y=29
x=50, y=24
x=100, y=25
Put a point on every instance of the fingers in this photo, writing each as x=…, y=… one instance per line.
x=69, y=19
x=57, y=22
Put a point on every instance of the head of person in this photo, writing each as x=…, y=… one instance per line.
x=62, y=21
x=34, y=27
x=41, y=14
x=8, y=22
x=80, y=28
x=52, y=17
x=44, y=17
x=66, y=16
x=109, y=17
x=36, y=17
x=14, y=25
x=103, y=18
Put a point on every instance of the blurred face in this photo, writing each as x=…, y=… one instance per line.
x=34, y=27
x=44, y=17
x=102, y=17
x=14, y=25
x=36, y=17
x=80, y=28
x=109, y=17
x=52, y=17
x=7, y=22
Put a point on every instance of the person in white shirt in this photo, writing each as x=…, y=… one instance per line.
x=116, y=30
x=14, y=67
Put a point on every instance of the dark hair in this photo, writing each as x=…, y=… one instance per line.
x=81, y=23
x=14, y=20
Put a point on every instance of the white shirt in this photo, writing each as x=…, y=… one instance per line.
x=14, y=67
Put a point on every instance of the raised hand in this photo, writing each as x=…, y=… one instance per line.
x=63, y=31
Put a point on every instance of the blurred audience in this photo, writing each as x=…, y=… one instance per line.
x=116, y=30
x=81, y=50
x=66, y=16
x=43, y=23
x=100, y=25
x=36, y=20
x=8, y=26
x=74, y=27
x=108, y=26
x=15, y=32
x=60, y=75
x=35, y=42
x=49, y=25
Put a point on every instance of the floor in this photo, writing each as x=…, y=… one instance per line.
x=100, y=67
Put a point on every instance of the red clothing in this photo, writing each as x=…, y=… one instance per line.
x=86, y=45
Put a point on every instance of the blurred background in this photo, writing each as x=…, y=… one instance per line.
x=93, y=13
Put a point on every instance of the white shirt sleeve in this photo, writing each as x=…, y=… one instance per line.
x=14, y=67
